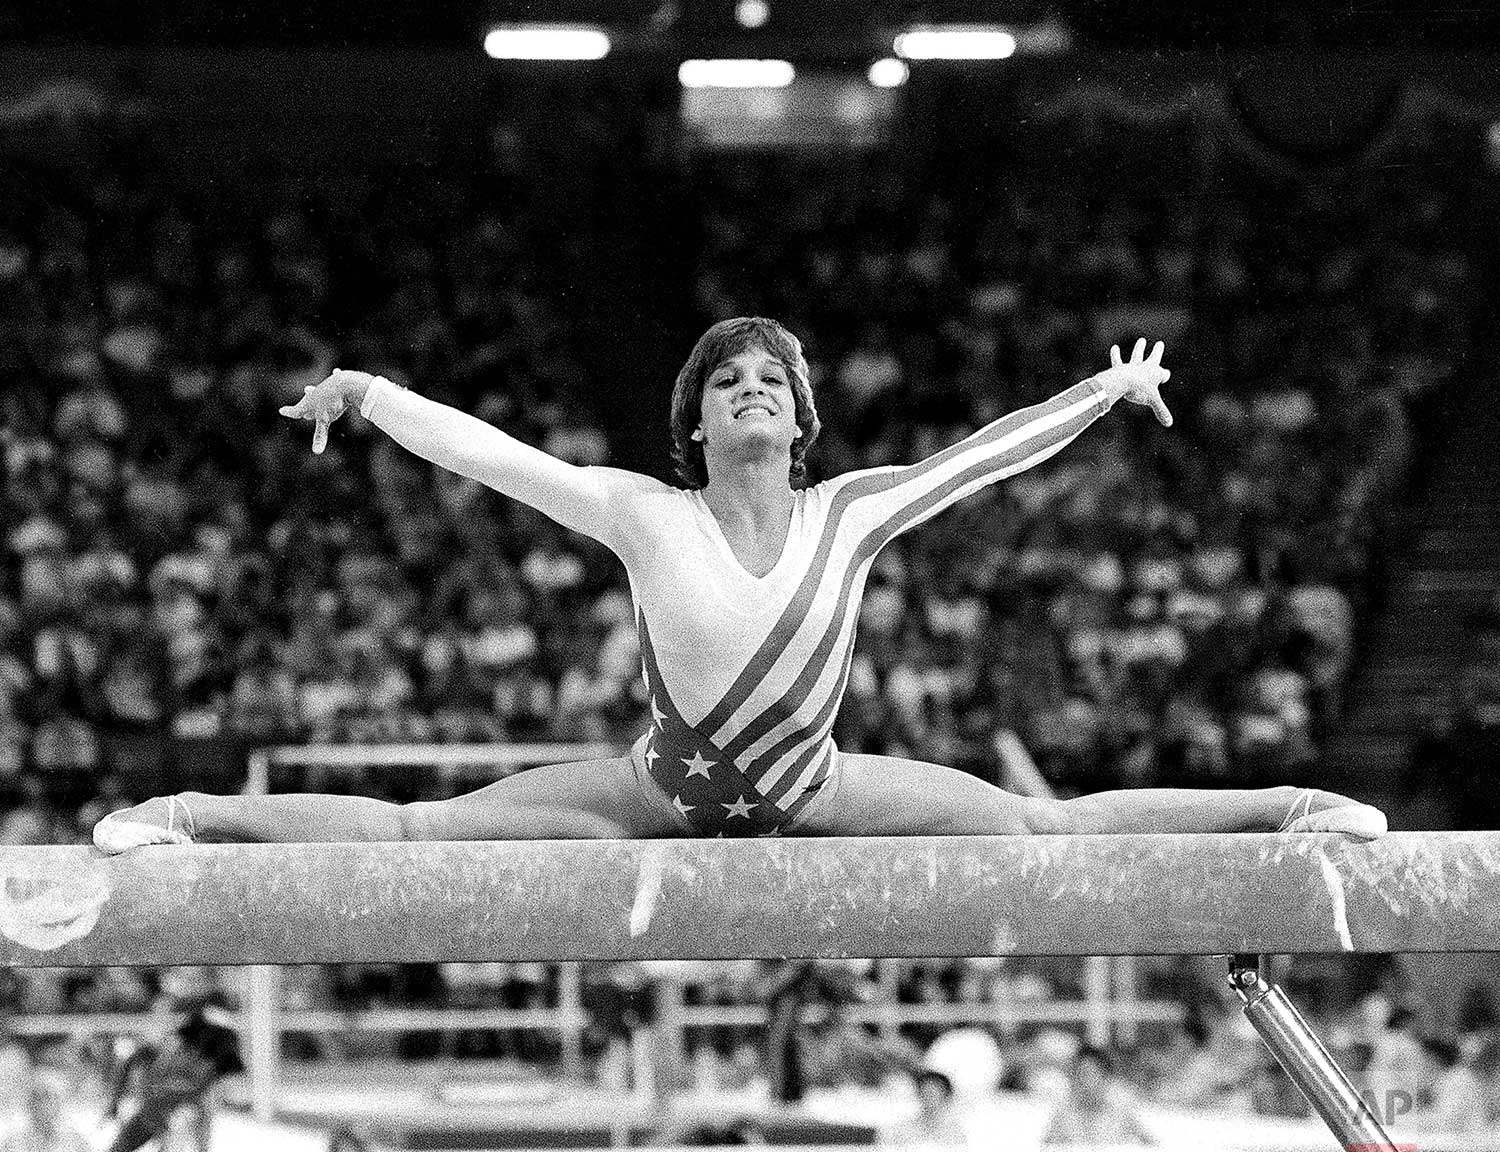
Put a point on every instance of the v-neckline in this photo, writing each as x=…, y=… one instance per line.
x=716, y=533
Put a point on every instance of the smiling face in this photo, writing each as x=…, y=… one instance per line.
x=747, y=408
x=731, y=354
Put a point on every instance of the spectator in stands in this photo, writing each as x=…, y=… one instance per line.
x=1399, y=1060
x=36, y=819
x=45, y=1128
x=1098, y=1109
x=180, y=1072
x=15, y=1081
x=788, y=988
x=936, y=1122
x=109, y=797
x=1457, y=1100
x=971, y=1061
x=1486, y=1065
x=345, y=1139
x=695, y=1132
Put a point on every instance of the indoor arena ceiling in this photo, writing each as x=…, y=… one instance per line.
x=430, y=23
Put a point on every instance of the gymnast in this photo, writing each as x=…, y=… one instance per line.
x=747, y=586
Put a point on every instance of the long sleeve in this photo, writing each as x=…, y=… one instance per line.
x=903, y=497
x=578, y=498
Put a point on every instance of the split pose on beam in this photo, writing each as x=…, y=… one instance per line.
x=747, y=590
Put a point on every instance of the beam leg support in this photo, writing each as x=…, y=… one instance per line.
x=262, y=1007
x=1299, y=1051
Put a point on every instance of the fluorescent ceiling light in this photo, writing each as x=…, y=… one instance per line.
x=889, y=73
x=736, y=74
x=546, y=42
x=956, y=42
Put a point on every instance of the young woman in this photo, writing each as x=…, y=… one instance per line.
x=747, y=590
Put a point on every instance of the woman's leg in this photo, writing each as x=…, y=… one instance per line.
x=590, y=799
x=587, y=799
x=887, y=796
x=1176, y=810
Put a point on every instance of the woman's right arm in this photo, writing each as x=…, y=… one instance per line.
x=577, y=498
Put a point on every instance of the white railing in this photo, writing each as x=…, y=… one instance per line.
x=452, y=763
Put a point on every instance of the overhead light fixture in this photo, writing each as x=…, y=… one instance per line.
x=736, y=74
x=889, y=73
x=956, y=42
x=546, y=42
x=752, y=13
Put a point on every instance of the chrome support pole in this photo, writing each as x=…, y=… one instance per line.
x=1299, y=1051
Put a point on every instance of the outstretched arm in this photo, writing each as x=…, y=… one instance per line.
x=903, y=497
x=577, y=498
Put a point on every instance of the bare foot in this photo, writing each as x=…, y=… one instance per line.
x=160, y=820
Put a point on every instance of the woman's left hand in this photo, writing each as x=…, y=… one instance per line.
x=1138, y=379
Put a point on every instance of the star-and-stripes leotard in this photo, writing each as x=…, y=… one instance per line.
x=745, y=673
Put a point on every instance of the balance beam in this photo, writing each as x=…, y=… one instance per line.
x=692, y=899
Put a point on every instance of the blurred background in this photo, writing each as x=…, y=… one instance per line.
x=204, y=209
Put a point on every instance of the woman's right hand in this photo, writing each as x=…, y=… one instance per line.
x=325, y=402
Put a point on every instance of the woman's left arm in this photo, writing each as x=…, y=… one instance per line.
x=906, y=496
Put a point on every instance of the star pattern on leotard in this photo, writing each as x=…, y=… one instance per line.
x=740, y=807
x=699, y=765
x=707, y=788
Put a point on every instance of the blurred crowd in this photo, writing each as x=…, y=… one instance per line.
x=1466, y=732
x=180, y=570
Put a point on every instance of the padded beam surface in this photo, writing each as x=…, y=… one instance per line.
x=684, y=899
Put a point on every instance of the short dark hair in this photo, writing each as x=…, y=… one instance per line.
x=1400, y=1019
x=1445, y=1052
x=726, y=339
x=1099, y=1056
x=1486, y=1061
x=933, y=1076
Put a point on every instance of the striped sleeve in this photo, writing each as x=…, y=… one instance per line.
x=1017, y=441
